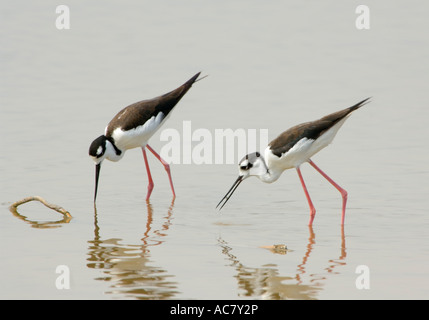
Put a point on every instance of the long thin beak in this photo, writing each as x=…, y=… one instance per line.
x=230, y=192
x=97, y=174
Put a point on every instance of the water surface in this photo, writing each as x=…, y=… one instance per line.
x=270, y=66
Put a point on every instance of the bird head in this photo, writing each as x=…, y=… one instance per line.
x=100, y=149
x=97, y=149
x=253, y=164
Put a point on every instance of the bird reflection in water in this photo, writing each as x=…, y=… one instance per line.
x=333, y=263
x=128, y=267
x=266, y=283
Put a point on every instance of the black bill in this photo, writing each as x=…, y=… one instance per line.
x=230, y=192
x=97, y=174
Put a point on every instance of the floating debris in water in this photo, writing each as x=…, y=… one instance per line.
x=277, y=248
x=52, y=224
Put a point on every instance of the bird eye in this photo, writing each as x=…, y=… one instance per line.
x=99, y=151
x=246, y=167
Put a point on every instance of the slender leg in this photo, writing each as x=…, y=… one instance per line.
x=166, y=167
x=341, y=190
x=310, y=203
x=150, y=185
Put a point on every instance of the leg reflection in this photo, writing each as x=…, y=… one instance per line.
x=128, y=268
x=266, y=282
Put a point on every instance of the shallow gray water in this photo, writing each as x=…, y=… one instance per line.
x=270, y=66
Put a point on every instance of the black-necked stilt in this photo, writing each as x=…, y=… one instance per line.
x=292, y=148
x=132, y=127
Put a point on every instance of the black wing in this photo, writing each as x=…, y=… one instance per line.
x=138, y=113
x=310, y=130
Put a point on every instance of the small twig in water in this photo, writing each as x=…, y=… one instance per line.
x=49, y=205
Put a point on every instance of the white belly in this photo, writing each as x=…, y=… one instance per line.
x=139, y=136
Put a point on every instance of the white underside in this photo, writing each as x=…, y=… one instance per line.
x=301, y=152
x=139, y=136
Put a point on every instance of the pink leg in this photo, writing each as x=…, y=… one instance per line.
x=310, y=203
x=150, y=185
x=341, y=190
x=166, y=167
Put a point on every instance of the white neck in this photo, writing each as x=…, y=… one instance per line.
x=270, y=175
x=111, y=152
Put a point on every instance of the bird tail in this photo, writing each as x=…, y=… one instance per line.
x=360, y=104
x=181, y=91
x=194, y=79
x=191, y=81
x=337, y=116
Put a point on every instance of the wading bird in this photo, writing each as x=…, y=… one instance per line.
x=291, y=149
x=132, y=127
